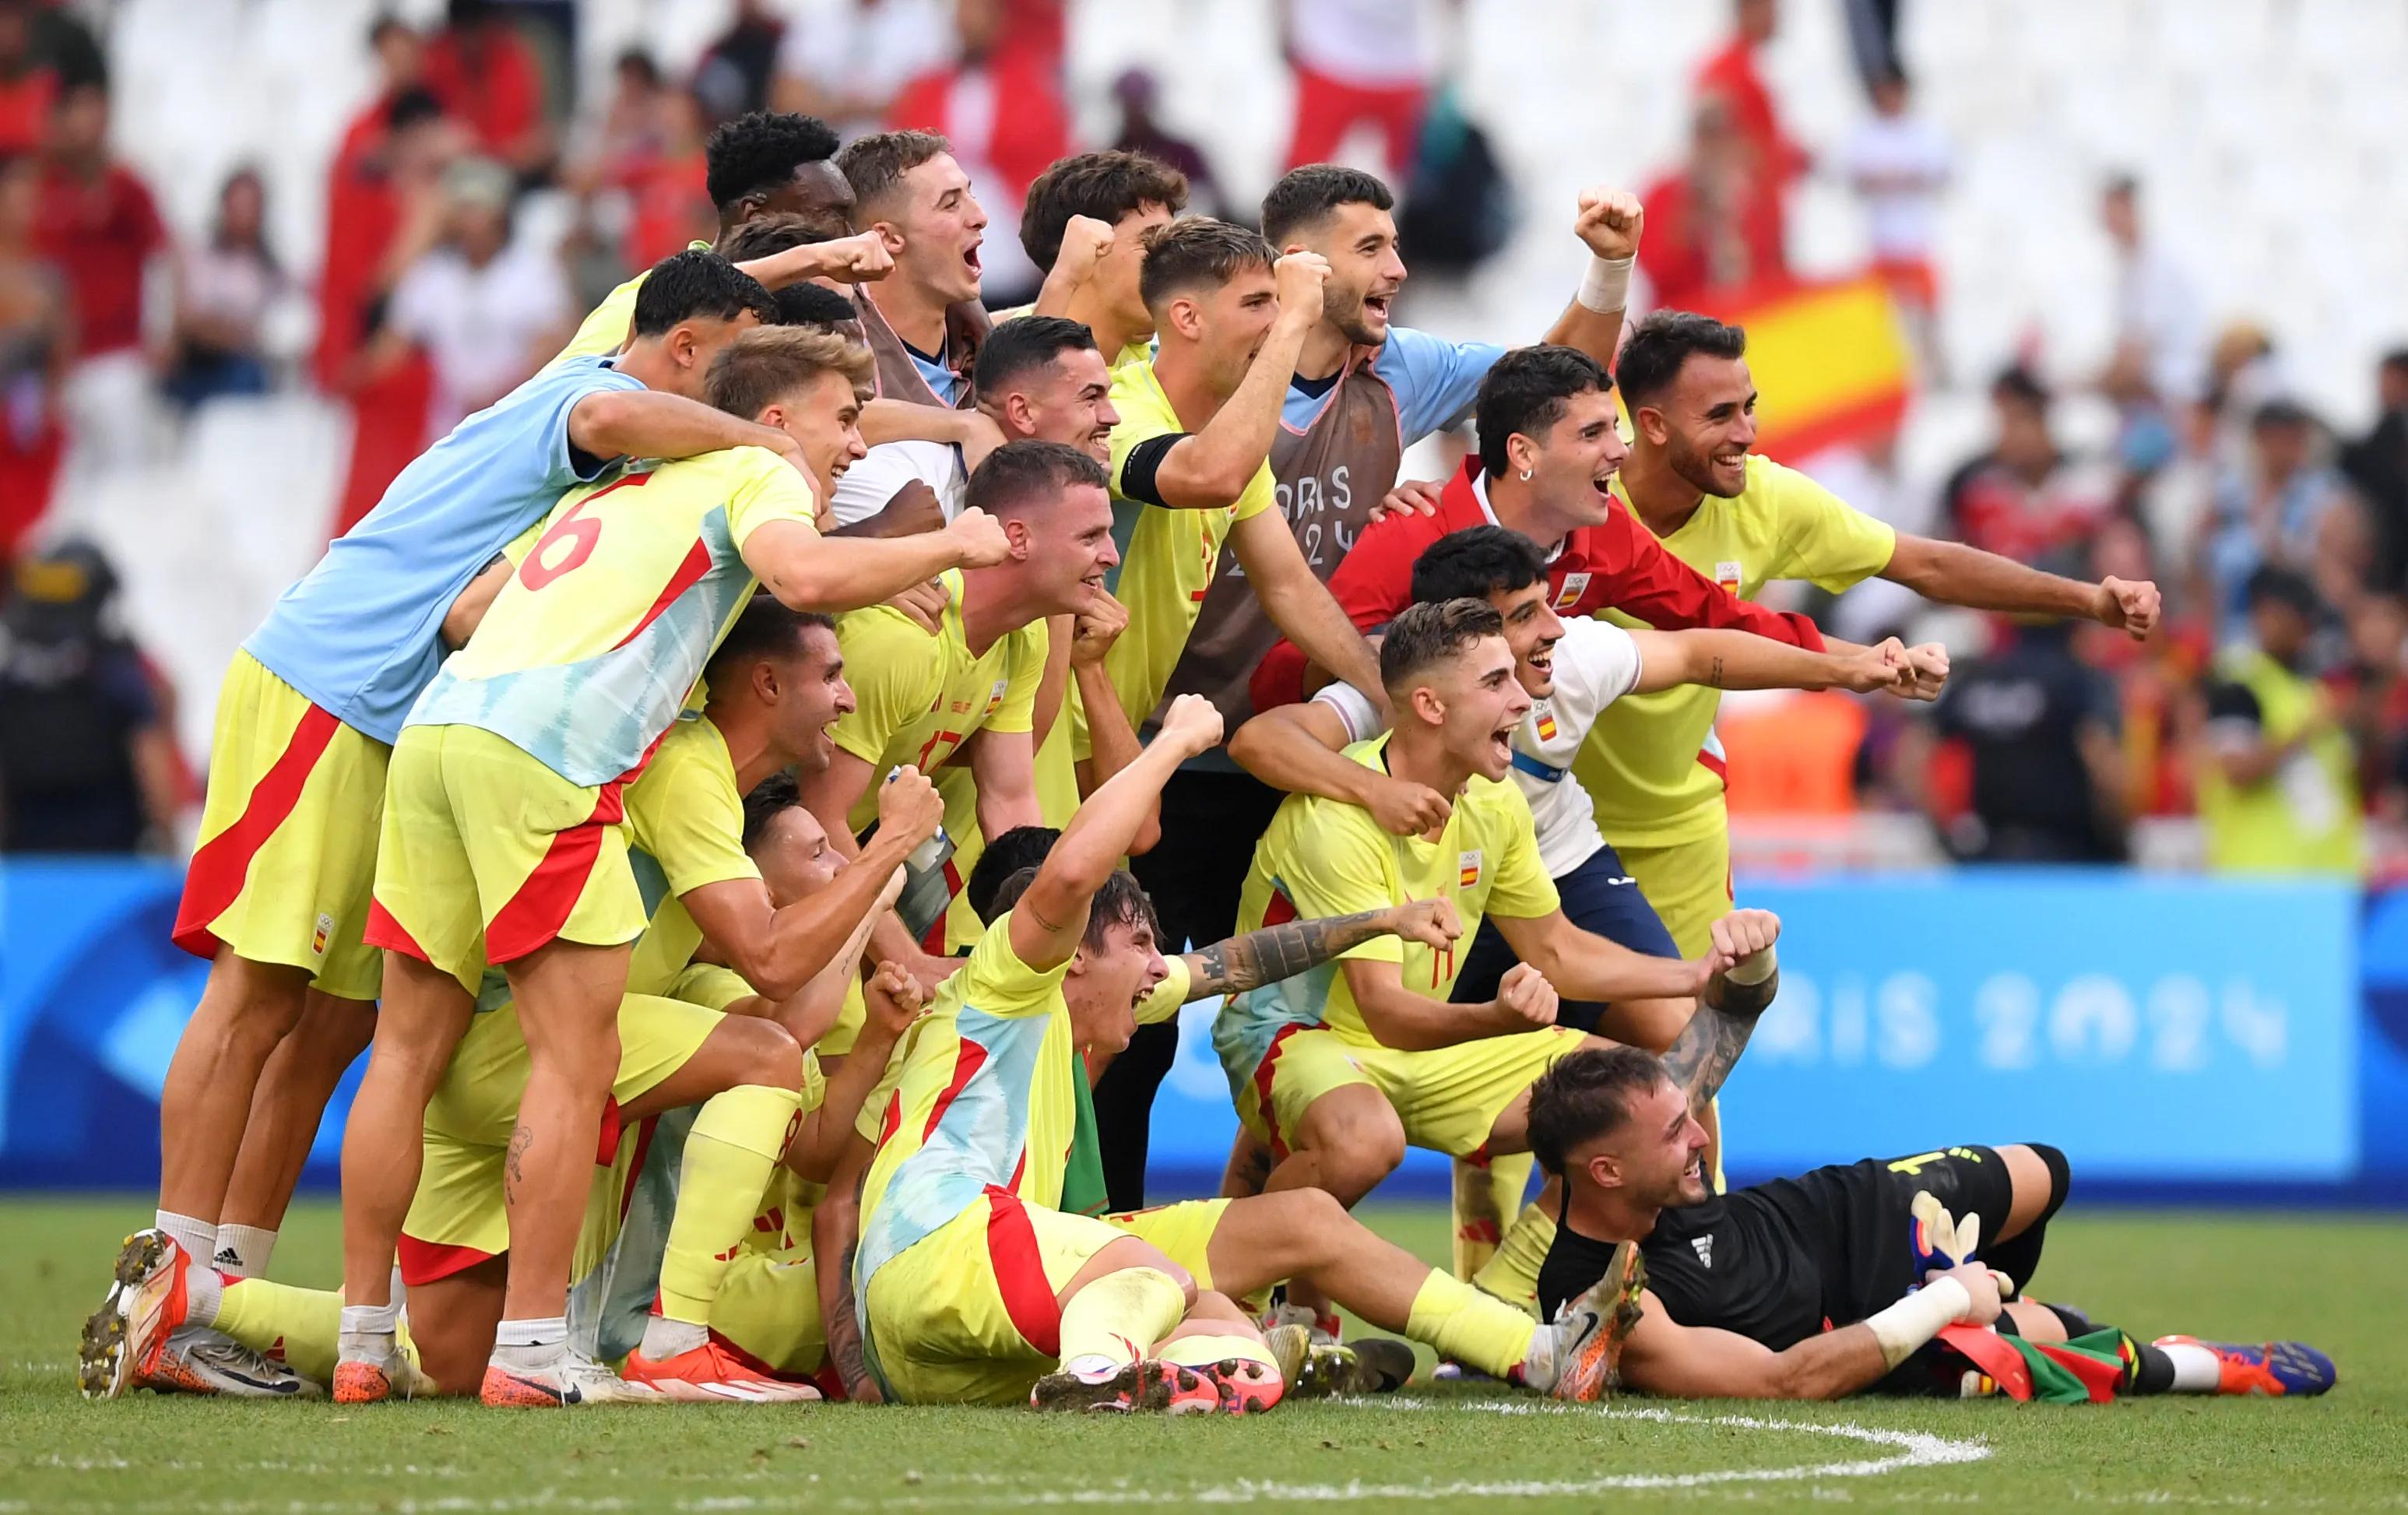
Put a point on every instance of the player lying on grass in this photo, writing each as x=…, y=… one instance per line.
x=1743, y=1290
x=1572, y=670
x=1336, y=1070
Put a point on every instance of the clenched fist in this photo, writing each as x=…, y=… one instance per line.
x=1095, y=628
x=1192, y=723
x=1302, y=277
x=2128, y=604
x=1610, y=222
x=1525, y=1000
x=910, y=806
x=1405, y=809
x=1431, y=923
x=1740, y=935
x=1085, y=241
x=978, y=538
x=894, y=1000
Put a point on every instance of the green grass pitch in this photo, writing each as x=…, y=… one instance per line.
x=2342, y=1284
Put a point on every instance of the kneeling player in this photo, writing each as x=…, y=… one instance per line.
x=1336, y=1070
x=1743, y=1288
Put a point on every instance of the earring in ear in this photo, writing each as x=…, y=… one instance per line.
x=1526, y=476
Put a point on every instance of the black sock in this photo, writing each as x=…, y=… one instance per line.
x=2019, y=1258
x=2076, y=1323
x=2153, y=1371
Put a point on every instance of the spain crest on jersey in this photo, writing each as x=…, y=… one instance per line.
x=1467, y=869
x=1575, y=585
x=1726, y=574
x=994, y=695
x=1547, y=725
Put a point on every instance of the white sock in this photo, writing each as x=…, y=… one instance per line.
x=2197, y=1370
x=664, y=1339
x=526, y=1343
x=243, y=1250
x=1093, y=1367
x=203, y=1293
x=370, y=1320
x=197, y=1238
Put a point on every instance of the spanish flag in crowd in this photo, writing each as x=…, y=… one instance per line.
x=1830, y=362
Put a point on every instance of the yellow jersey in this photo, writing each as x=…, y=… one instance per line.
x=686, y=829
x=1322, y=857
x=604, y=331
x=592, y=647
x=921, y=696
x=1651, y=764
x=1168, y=555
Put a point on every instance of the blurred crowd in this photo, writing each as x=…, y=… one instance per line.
x=477, y=202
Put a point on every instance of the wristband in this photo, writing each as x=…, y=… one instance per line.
x=1752, y=970
x=1606, y=286
x=1916, y=1319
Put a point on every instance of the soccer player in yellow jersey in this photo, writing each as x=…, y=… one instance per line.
x=1190, y=460
x=1336, y=1071
x=963, y=699
x=504, y=841
x=1086, y=222
x=1652, y=764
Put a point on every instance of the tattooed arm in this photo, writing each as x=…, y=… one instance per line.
x=1282, y=951
x=1721, y=659
x=836, y=1232
x=1702, y=1056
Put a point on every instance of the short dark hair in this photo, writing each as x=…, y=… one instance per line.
x=1198, y=250
x=874, y=164
x=1106, y=185
x=1658, y=346
x=2018, y=383
x=758, y=152
x=764, y=628
x=768, y=362
x=409, y=107
x=1423, y=636
x=770, y=798
x=2280, y=411
x=2283, y=586
x=1020, y=848
x=1028, y=471
x=695, y=283
x=1475, y=562
x=1309, y=195
x=1586, y=1095
x=1526, y=391
x=814, y=305
x=1121, y=902
x=1023, y=345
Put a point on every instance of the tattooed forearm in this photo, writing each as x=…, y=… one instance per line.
x=1702, y=1056
x=1714, y=674
x=1277, y=952
x=839, y=1239
x=513, y=1173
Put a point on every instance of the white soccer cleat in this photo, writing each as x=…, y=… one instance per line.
x=567, y=1381
x=196, y=1361
x=145, y=1303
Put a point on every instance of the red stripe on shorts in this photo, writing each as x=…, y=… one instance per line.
x=533, y=917
x=425, y=1262
x=215, y=879
x=385, y=931
x=1020, y=1272
x=967, y=1060
x=1263, y=1074
x=689, y=573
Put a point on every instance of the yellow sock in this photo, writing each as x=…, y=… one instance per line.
x=303, y=1324
x=1119, y=1316
x=1512, y=1274
x=1462, y=1323
x=1486, y=1192
x=770, y=1309
x=736, y=1139
x=1202, y=1350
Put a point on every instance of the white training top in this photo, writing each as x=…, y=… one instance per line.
x=1596, y=663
